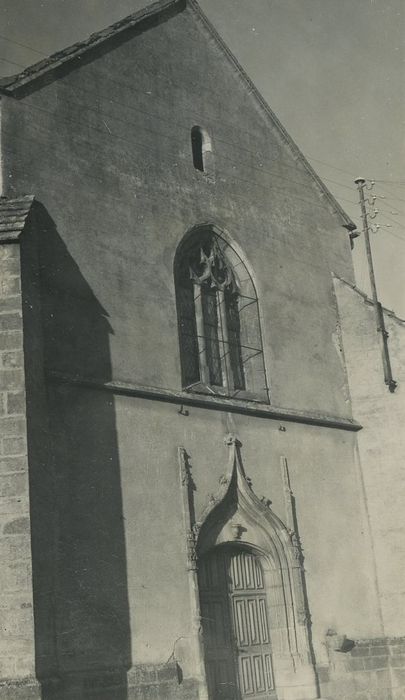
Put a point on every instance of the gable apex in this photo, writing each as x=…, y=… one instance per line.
x=50, y=69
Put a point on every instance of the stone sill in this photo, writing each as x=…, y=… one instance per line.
x=217, y=403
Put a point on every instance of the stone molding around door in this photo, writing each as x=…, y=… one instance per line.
x=236, y=516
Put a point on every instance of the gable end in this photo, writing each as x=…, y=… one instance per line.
x=82, y=52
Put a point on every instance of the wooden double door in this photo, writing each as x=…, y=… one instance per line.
x=235, y=625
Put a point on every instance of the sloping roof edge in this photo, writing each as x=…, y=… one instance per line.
x=348, y=223
x=368, y=300
x=13, y=216
x=10, y=85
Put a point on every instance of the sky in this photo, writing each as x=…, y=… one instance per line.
x=332, y=70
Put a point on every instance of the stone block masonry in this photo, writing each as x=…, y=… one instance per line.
x=16, y=601
x=143, y=682
x=374, y=669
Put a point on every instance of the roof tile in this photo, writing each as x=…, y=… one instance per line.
x=13, y=216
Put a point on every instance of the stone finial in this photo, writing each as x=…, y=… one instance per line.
x=232, y=439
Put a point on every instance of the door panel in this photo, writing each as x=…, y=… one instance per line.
x=235, y=626
x=217, y=628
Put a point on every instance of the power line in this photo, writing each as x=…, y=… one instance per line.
x=249, y=201
x=313, y=262
x=393, y=221
x=348, y=201
x=337, y=183
x=218, y=139
x=154, y=75
x=24, y=46
x=316, y=160
x=400, y=183
x=390, y=233
x=398, y=211
x=13, y=63
x=387, y=196
x=176, y=154
x=383, y=197
x=394, y=199
x=237, y=146
x=257, y=155
x=399, y=238
x=284, y=165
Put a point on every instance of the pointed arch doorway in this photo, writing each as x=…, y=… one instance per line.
x=244, y=561
x=235, y=622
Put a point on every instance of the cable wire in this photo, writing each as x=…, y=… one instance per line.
x=393, y=221
x=13, y=63
x=174, y=154
x=24, y=46
x=237, y=146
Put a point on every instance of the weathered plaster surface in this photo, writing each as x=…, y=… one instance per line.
x=381, y=443
x=106, y=151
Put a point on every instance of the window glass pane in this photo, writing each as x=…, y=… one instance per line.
x=210, y=315
x=234, y=339
x=188, y=335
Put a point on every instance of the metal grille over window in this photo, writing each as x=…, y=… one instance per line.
x=218, y=315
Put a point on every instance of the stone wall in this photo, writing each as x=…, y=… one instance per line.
x=16, y=602
x=143, y=682
x=119, y=199
x=369, y=669
x=381, y=442
x=381, y=447
x=106, y=150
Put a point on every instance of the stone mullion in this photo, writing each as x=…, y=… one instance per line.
x=199, y=319
x=224, y=340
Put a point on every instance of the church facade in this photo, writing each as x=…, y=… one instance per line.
x=201, y=477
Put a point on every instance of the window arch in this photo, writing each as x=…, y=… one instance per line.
x=219, y=327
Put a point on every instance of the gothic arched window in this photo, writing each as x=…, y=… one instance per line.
x=219, y=327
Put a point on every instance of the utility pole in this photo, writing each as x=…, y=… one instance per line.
x=378, y=310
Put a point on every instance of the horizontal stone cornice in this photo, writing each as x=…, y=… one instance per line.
x=217, y=403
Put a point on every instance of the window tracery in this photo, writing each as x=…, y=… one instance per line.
x=220, y=339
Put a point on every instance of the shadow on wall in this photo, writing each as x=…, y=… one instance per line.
x=81, y=606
